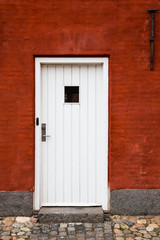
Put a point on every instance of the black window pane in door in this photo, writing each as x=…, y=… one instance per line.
x=71, y=94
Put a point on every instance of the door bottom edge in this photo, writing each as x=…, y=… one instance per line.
x=70, y=205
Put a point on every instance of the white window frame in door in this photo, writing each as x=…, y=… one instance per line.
x=38, y=170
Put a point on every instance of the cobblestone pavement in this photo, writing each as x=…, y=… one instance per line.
x=28, y=228
x=137, y=228
x=123, y=228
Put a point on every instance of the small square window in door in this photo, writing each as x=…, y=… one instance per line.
x=71, y=94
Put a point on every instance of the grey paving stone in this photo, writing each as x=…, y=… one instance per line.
x=71, y=228
x=43, y=235
x=5, y=233
x=98, y=230
x=90, y=234
x=97, y=225
x=34, y=236
x=62, y=234
x=35, y=231
x=71, y=232
x=99, y=235
x=129, y=223
x=71, y=236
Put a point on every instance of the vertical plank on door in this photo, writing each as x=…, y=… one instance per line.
x=59, y=133
x=44, y=104
x=75, y=140
x=75, y=75
x=67, y=140
x=67, y=75
x=105, y=134
x=83, y=134
x=99, y=159
x=91, y=133
x=51, y=131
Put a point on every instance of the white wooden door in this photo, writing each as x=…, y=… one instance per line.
x=74, y=158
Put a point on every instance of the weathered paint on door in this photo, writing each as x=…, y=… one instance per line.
x=74, y=157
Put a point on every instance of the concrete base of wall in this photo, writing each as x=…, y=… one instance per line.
x=16, y=203
x=123, y=202
x=135, y=202
x=71, y=214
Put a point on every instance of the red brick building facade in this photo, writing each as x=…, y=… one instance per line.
x=117, y=29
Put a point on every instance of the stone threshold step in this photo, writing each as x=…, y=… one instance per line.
x=71, y=214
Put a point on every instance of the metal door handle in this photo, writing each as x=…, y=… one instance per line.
x=44, y=136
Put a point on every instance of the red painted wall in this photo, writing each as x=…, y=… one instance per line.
x=118, y=28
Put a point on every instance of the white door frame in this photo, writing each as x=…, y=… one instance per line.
x=38, y=170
